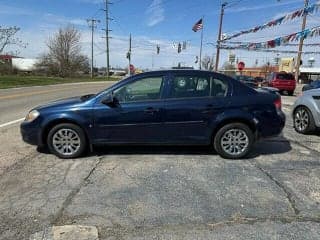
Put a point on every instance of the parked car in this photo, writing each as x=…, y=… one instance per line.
x=255, y=83
x=247, y=80
x=313, y=85
x=259, y=81
x=306, y=112
x=170, y=107
x=282, y=81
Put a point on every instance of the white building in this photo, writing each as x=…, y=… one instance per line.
x=24, y=64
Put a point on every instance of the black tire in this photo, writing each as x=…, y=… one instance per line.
x=80, y=145
x=309, y=126
x=217, y=142
x=290, y=93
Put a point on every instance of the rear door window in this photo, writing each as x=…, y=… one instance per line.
x=219, y=87
x=285, y=76
x=189, y=87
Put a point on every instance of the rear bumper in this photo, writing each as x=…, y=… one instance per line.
x=285, y=88
x=274, y=126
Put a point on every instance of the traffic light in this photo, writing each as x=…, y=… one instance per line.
x=184, y=45
x=158, y=49
x=179, y=48
x=128, y=55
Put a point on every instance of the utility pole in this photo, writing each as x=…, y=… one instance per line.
x=92, y=24
x=303, y=27
x=223, y=5
x=129, y=56
x=107, y=35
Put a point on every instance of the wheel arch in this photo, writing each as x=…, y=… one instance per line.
x=55, y=122
x=250, y=123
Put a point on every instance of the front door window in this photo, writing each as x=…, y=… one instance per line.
x=146, y=89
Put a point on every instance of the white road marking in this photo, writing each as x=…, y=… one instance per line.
x=11, y=122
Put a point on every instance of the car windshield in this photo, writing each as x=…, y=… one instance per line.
x=285, y=76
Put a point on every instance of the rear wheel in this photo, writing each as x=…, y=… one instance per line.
x=290, y=93
x=67, y=141
x=234, y=141
x=303, y=120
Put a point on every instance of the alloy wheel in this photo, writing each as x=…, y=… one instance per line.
x=66, y=141
x=234, y=141
x=301, y=120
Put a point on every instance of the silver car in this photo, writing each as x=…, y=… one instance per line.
x=306, y=112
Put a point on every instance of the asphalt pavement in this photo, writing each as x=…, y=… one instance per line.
x=156, y=192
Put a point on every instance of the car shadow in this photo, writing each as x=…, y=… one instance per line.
x=277, y=145
x=150, y=150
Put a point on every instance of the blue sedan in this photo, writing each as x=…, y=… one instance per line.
x=171, y=107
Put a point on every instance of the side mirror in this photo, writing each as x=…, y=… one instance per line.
x=110, y=101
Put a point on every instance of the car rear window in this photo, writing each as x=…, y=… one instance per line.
x=285, y=76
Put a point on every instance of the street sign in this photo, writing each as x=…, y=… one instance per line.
x=132, y=69
x=241, y=66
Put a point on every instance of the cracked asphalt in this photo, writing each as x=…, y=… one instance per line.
x=163, y=192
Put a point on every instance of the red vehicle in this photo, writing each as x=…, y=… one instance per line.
x=282, y=81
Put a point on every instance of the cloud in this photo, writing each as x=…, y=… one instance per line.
x=56, y=19
x=155, y=13
x=259, y=7
x=14, y=11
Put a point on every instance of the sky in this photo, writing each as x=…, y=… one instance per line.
x=151, y=23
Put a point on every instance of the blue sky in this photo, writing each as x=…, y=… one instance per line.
x=151, y=22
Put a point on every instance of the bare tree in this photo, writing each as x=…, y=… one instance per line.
x=8, y=37
x=229, y=69
x=207, y=63
x=64, y=57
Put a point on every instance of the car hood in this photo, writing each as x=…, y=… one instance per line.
x=62, y=103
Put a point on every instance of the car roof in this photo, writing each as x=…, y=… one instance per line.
x=176, y=71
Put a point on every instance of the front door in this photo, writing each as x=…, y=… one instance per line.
x=137, y=118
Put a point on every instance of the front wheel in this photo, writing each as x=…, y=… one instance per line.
x=234, y=141
x=290, y=93
x=67, y=141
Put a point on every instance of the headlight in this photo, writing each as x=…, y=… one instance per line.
x=32, y=116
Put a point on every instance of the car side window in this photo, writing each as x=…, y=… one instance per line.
x=219, y=87
x=144, y=89
x=189, y=87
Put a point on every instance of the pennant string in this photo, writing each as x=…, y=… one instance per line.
x=299, y=13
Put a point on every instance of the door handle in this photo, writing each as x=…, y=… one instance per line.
x=151, y=110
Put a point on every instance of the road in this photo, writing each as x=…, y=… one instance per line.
x=157, y=192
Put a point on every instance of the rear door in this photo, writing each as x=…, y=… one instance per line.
x=192, y=101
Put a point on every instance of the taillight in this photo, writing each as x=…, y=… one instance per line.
x=277, y=103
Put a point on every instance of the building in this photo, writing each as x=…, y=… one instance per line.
x=308, y=74
x=7, y=58
x=18, y=63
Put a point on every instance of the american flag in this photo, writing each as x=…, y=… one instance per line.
x=198, y=26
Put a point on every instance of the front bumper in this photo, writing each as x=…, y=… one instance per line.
x=31, y=133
